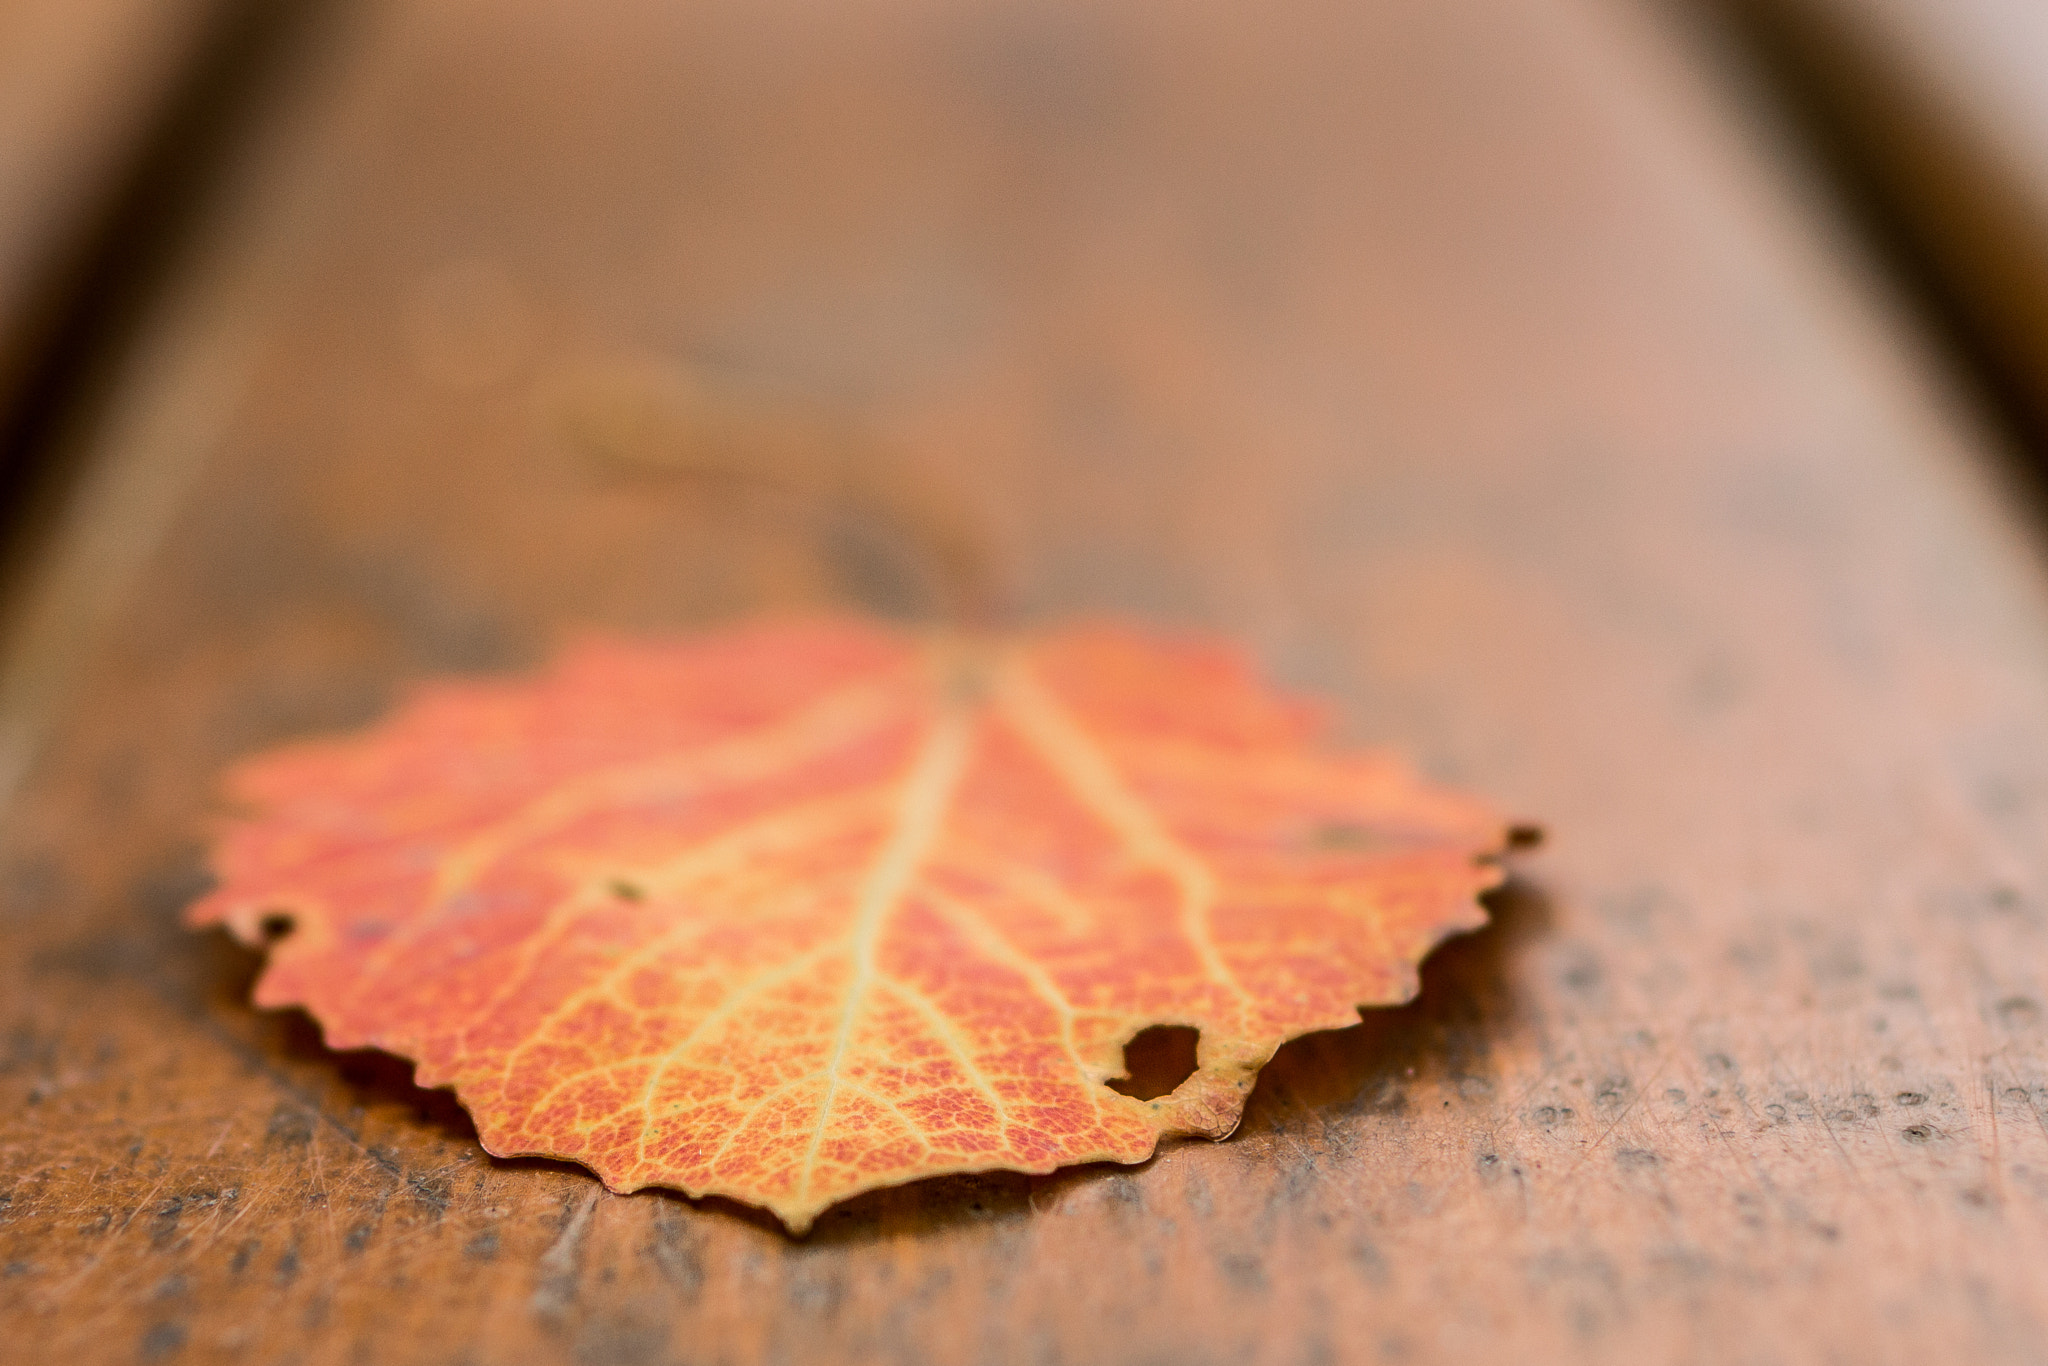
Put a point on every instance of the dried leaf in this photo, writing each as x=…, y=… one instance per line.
x=803, y=909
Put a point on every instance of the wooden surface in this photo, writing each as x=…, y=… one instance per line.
x=1465, y=361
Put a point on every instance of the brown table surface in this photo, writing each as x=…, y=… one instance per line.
x=1468, y=362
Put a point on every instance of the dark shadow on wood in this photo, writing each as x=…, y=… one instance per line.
x=373, y=1078
x=1468, y=1004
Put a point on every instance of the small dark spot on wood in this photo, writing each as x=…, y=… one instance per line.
x=622, y=1340
x=163, y=1224
x=885, y=563
x=483, y=1247
x=276, y=926
x=1636, y=1159
x=34, y=882
x=628, y=891
x=1919, y=1133
x=1584, y=975
x=1244, y=1270
x=1525, y=835
x=162, y=1341
x=2017, y=1012
x=813, y=1291
x=1368, y=1261
x=431, y=1193
x=244, y=1254
x=290, y=1125
x=1911, y=1098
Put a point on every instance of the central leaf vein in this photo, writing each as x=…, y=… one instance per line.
x=926, y=794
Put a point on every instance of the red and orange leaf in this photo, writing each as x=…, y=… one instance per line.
x=803, y=909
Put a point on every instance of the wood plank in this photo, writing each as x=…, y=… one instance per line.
x=1463, y=360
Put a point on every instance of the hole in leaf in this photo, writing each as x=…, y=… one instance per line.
x=1156, y=1061
x=276, y=926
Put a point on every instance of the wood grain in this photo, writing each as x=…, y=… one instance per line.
x=1465, y=361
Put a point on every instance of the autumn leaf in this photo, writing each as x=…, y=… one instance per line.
x=798, y=910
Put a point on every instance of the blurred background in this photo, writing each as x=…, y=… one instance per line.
x=749, y=254
x=975, y=309
x=1633, y=410
x=598, y=202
